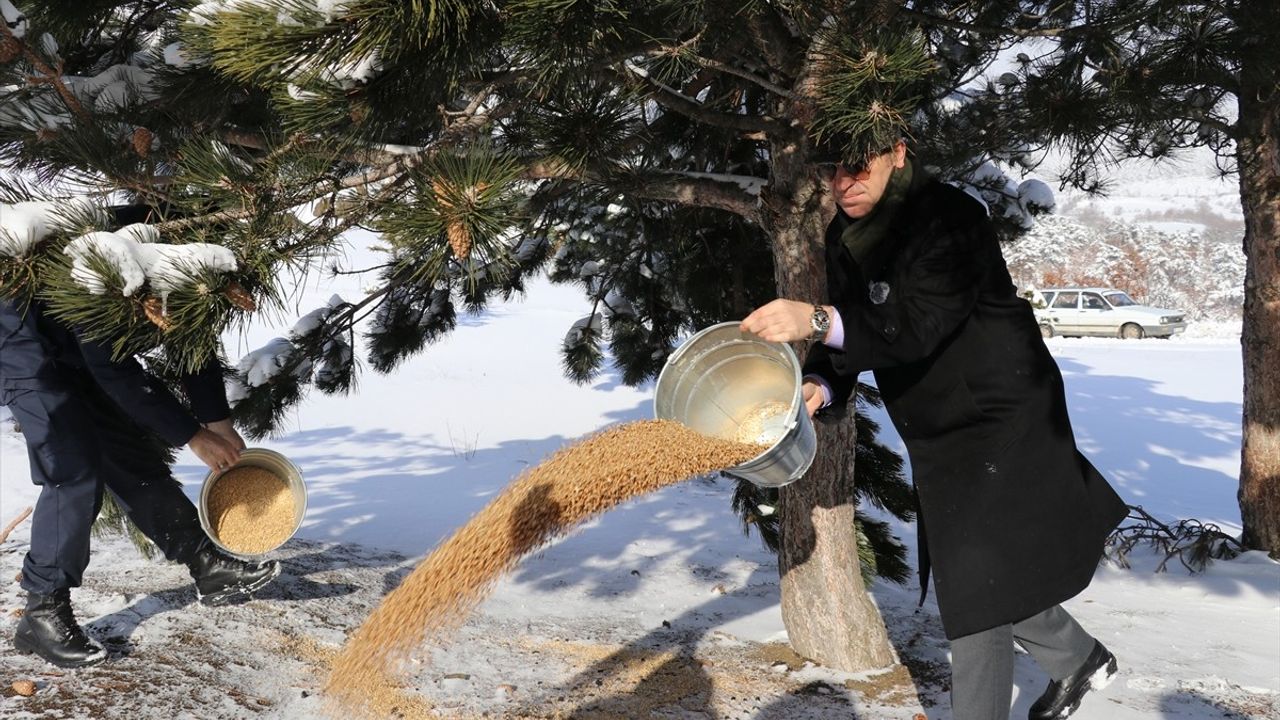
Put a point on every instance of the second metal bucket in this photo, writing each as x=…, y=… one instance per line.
x=731, y=384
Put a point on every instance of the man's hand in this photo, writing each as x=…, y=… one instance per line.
x=781, y=321
x=213, y=449
x=811, y=393
x=227, y=431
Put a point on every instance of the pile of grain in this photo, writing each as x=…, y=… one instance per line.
x=763, y=423
x=571, y=486
x=251, y=510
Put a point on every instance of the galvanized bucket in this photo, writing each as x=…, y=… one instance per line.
x=272, y=462
x=731, y=384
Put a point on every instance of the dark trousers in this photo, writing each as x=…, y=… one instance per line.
x=79, y=442
x=982, y=663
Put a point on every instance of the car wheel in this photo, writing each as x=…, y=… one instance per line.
x=1131, y=331
x=1046, y=330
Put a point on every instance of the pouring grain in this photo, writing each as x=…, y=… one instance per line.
x=573, y=485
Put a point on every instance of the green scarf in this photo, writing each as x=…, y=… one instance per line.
x=865, y=233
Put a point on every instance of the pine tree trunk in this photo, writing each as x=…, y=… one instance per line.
x=1259, y=165
x=826, y=609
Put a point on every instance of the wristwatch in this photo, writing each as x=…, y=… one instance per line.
x=820, y=321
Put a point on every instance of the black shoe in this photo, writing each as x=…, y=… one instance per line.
x=221, y=579
x=1061, y=699
x=49, y=629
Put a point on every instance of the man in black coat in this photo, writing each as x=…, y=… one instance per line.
x=85, y=418
x=1012, y=517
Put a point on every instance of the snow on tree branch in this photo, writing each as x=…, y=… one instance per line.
x=258, y=367
x=133, y=252
x=14, y=18
x=23, y=224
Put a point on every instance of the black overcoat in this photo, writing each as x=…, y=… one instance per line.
x=1012, y=516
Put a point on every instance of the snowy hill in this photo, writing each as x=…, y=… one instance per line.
x=1185, y=193
x=1184, y=270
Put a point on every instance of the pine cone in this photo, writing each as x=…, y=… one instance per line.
x=459, y=239
x=154, y=309
x=10, y=49
x=240, y=297
x=142, y=138
x=458, y=233
x=441, y=191
x=46, y=134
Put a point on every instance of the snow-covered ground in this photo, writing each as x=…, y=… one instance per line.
x=660, y=608
x=1183, y=193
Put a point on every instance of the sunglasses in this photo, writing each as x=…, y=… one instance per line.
x=861, y=171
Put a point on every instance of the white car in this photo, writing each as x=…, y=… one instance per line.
x=1104, y=312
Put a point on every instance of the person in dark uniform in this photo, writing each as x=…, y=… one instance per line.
x=86, y=419
x=1012, y=517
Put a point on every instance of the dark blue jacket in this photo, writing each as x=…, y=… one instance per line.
x=36, y=352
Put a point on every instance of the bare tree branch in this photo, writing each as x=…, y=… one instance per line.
x=673, y=100
x=709, y=192
x=48, y=75
x=728, y=69
x=1132, y=16
x=722, y=192
x=925, y=18
x=4, y=534
x=399, y=166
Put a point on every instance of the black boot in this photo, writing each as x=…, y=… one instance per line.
x=1061, y=699
x=221, y=579
x=49, y=629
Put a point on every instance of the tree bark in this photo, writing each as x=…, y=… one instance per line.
x=826, y=609
x=1258, y=151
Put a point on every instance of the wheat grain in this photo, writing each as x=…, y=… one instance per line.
x=573, y=485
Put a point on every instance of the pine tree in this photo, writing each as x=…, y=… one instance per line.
x=661, y=154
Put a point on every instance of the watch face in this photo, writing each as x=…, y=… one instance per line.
x=821, y=321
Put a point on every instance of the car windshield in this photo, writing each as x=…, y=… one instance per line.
x=1119, y=299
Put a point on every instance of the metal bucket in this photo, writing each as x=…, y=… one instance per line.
x=272, y=462
x=731, y=384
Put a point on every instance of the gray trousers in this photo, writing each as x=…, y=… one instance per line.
x=982, y=663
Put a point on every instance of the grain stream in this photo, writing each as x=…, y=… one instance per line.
x=571, y=486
